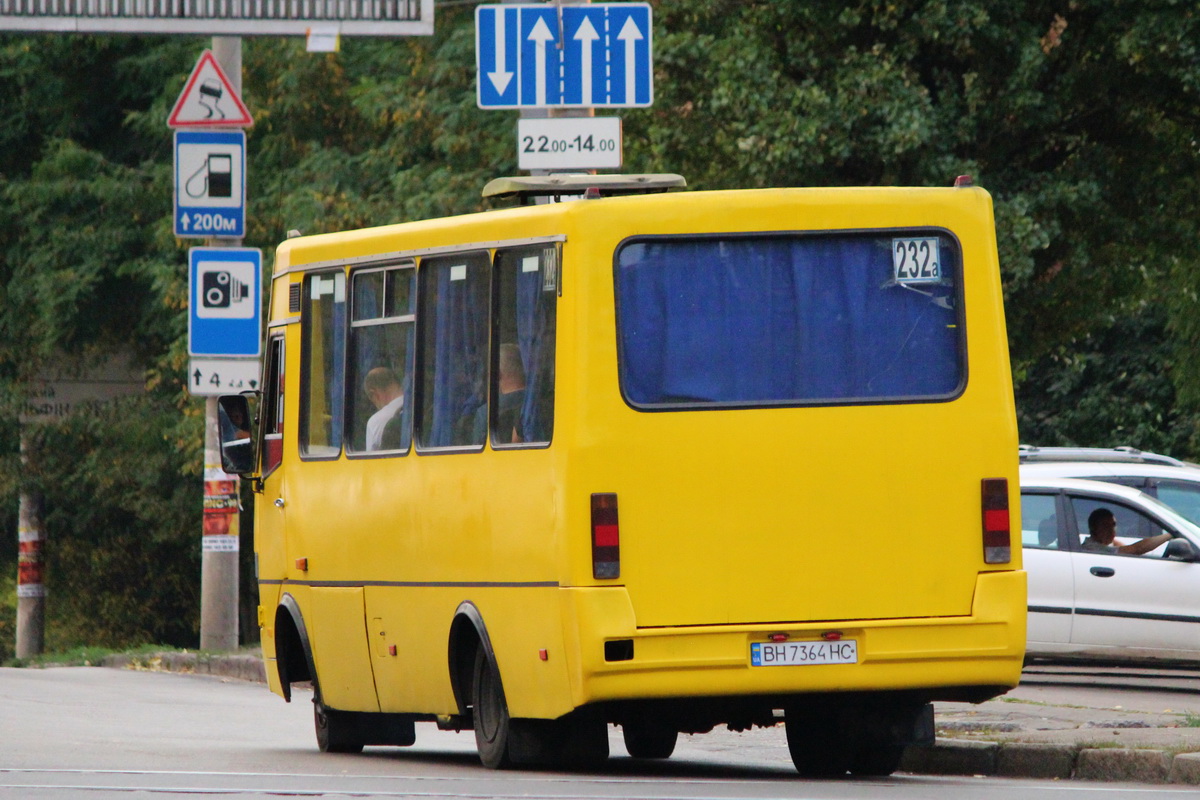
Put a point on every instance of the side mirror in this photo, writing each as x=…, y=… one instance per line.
x=233, y=428
x=1180, y=550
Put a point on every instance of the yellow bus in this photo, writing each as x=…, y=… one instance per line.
x=665, y=460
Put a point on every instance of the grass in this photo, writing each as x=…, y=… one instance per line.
x=88, y=656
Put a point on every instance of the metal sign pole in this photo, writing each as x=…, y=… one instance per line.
x=218, y=564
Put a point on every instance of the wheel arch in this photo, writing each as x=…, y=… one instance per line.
x=468, y=633
x=293, y=651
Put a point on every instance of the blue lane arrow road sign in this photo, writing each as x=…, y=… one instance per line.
x=224, y=302
x=594, y=55
x=210, y=183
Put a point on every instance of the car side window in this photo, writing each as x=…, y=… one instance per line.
x=1182, y=496
x=1131, y=524
x=1039, y=521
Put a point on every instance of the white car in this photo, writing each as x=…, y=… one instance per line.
x=1175, y=482
x=1110, y=607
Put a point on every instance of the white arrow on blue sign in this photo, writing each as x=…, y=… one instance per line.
x=593, y=55
x=224, y=302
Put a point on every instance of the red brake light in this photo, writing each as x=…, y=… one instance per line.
x=997, y=544
x=606, y=537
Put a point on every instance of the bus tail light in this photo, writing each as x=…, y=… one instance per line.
x=997, y=546
x=606, y=537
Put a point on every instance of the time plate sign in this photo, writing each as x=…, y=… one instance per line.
x=569, y=143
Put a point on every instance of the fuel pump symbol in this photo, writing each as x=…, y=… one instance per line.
x=213, y=179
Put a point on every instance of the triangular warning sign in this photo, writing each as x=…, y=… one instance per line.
x=208, y=99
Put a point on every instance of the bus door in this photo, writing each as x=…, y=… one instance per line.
x=269, y=528
x=327, y=579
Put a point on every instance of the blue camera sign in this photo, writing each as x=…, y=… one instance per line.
x=224, y=302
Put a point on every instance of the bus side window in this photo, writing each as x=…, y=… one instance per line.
x=453, y=320
x=322, y=359
x=379, y=383
x=272, y=408
x=522, y=388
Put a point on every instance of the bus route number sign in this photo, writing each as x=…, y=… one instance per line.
x=916, y=260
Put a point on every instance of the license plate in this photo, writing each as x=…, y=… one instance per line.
x=799, y=654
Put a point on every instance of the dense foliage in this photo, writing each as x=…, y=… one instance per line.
x=1081, y=117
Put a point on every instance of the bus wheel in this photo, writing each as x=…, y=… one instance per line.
x=492, y=723
x=879, y=761
x=582, y=741
x=647, y=740
x=818, y=747
x=336, y=730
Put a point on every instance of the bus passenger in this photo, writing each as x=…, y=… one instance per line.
x=387, y=395
x=511, y=401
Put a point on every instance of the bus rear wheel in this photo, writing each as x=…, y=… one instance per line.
x=878, y=760
x=647, y=740
x=818, y=745
x=493, y=726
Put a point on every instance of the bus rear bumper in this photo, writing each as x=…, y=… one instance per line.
x=968, y=658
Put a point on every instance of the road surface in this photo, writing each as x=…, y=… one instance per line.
x=101, y=733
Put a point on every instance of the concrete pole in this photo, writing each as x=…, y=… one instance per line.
x=219, y=553
x=31, y=589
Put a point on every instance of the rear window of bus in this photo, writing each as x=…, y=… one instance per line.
x=790, y=319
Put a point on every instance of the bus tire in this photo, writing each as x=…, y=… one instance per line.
x=647, y=740
x=337, y=731
x=493, y=726
x=878, y=761
x=581, y=740
x=817, y=743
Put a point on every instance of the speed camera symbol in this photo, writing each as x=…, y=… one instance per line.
x=221, y=289
x=225, y=290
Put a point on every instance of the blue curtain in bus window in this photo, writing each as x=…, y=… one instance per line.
x=337, y=378
x=535, y=338
x=781, y=319
x=368, y=304
x=460, y=347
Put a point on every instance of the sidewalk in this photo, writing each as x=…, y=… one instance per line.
x=1028, y=733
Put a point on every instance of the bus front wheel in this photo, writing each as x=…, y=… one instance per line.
x=336, y=730
x=493, y=725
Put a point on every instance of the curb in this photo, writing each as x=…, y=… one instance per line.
x=1051, y=761
x=238, y=667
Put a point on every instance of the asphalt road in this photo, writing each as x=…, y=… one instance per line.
x=102, y=733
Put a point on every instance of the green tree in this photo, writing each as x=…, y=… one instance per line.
x=1079, y=117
